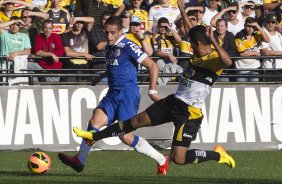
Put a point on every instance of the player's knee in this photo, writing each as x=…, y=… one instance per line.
x=178, y=160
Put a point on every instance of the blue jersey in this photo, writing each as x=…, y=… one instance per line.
x=122, y=60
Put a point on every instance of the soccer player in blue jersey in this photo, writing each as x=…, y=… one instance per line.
x=122, y=99
x=184, y=107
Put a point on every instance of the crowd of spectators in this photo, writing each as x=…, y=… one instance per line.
x=54, y=28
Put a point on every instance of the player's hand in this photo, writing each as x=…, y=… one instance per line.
x=209, y=33
x=155, y=97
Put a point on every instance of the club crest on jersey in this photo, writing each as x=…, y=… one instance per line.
x=117, y=52
x=120, y=44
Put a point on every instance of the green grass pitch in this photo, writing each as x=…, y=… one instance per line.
x=130, y=167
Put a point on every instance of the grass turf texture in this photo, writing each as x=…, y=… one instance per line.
x=131, y=167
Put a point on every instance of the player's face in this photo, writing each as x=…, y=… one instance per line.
x=47, y=29
x=221, y=28
x=113, y=33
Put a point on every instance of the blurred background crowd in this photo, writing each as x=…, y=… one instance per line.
x=74, y=28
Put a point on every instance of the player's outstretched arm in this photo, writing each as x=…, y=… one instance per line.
x=154, y=74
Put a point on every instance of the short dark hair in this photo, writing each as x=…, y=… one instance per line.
x=234, y=4
x=47, y=21
x=163, y=20
x=250, y=20
x=114, y=20
x=220, y=20
x=198, y=33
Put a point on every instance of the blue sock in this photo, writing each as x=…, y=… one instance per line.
x=85, y=146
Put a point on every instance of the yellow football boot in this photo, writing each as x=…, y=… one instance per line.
x=224, y=157
x=83, y=133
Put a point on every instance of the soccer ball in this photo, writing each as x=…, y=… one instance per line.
x=39, y=163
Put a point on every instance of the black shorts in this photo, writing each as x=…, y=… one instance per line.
x=187, y=119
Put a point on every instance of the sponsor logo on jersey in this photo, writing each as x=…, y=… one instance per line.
x=57, y=29
x=135, y=48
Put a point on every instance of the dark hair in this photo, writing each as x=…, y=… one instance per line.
x=220, y=20
x=114, y=20
x=15, y=18
x=23, y=10
x=47, y=21
x=163, y=20
x=198, y=33
x=250, y=20
x=234, y=4
x=200, y=5
x=192, y=13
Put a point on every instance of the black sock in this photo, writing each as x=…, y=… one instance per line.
x=198, y=156
x=117, y=129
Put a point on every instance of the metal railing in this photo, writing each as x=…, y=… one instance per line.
x=265, y=75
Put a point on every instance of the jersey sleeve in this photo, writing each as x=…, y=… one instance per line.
x=135, y=52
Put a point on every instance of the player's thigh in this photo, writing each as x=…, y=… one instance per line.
x=105, y=111
x=187, y=124
x=128, y=104
x=98, y=119
x=159, y=112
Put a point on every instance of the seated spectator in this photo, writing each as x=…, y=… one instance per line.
x=15, y=45
x=275, y=44
x=66, y=4
x=248, y=10
x=48, y=44
x=210, y=11
x=136, y=35
x=95, y=8
x=8, y=11
x=136, y=10
x=97, y=37
x=249, y=41
x=164, y=43
x=75, y=44
x=33, y=20
x=59, y=16
x=234, y=24
x=163, y=9
x=225, y=38
x=199, y=9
